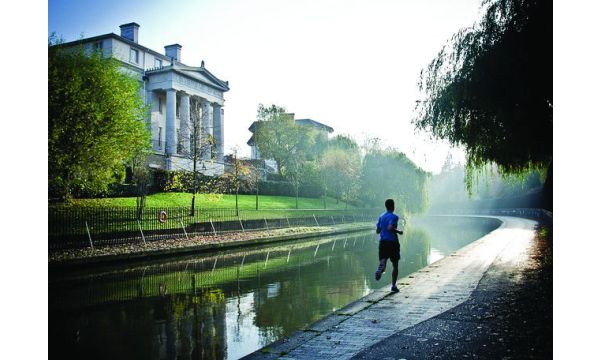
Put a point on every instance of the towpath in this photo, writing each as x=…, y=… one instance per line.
x=490, y=299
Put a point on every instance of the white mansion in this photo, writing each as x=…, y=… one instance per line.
x=170, y=89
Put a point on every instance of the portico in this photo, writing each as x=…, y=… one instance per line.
x=186, y=101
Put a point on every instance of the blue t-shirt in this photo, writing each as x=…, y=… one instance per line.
x=387, y=220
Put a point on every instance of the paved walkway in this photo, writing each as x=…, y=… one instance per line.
x=369, y=325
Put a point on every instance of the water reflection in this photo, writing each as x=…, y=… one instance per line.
x=230, y=304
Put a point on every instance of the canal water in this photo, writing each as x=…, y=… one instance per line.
x=227, y=305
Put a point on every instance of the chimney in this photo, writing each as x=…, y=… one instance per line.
x=173, y=51
x=130, y=31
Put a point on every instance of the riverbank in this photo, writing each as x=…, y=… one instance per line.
x=196, y=244
x=477, y=302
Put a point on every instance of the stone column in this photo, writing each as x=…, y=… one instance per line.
x=206, y=129
x=171, y=134
x=218, y=130
x=184, y=122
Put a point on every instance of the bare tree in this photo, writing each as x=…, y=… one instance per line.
x=201, y=145
x=140, y=172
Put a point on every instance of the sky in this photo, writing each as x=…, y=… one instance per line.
x=353, y=65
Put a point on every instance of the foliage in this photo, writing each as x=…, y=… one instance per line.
x=279, y=138
x=390, y=174
x=95, y=121
x=343, y=142
x=490, y=89
x=447, y=188
x=183, y=181
x=340, y=170
x=242, y=175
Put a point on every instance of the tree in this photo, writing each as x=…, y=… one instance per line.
x=95, y=121
x=490, y=89
x=241, y=172
x=279, y=138
x=343, y=142
x=201, y=144
x=390, y=174
x=340, y=169
x=141, y=177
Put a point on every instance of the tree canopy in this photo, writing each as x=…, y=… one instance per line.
x=390, y=174
x=490, y=88
x=95, y=121
x=340, y=170
x=278, y=137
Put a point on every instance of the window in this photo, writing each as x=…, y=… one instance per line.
x=157, y=63
x=134, y=56
x=177, y=105
x=159, y=137
x=159, y=104
x=97, y=45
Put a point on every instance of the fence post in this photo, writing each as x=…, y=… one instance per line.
x=143, y=237
x=267, y=259
x=213, y=226
x=288, y=221
x=314, y=217
x=183, y=227
x=89, y=236
x=266, y=225
x=214, y=265
x=242, y=225
x=332, y=220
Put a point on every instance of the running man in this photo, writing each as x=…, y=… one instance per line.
x=389, y=246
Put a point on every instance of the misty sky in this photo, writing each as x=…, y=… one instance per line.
x=353, y=65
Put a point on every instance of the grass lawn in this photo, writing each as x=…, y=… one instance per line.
x=204, y=201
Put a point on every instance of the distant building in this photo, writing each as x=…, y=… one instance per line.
x=255, y=153
x=168, y=88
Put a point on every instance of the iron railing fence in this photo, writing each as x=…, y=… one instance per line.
x=77, y=227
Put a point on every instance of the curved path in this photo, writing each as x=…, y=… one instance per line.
x=423, y=295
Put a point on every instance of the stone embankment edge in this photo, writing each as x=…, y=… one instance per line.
x=283, y=346
x=195, y=249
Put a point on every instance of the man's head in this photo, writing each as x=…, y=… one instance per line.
x=389, y=204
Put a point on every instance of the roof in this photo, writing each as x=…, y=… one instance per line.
x=200, y=74
x=314, y=124
x=177, y=66
x=304, y=122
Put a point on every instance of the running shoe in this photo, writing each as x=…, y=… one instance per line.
x=395, y=288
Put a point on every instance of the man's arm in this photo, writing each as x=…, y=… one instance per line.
x=393, y=227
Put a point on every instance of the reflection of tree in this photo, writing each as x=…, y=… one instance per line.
x=310, y=292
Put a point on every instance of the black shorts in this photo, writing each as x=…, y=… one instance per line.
x=389, y=250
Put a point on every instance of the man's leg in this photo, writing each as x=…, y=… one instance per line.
x=394, y=275
x=394, y=272
x=380, y=268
